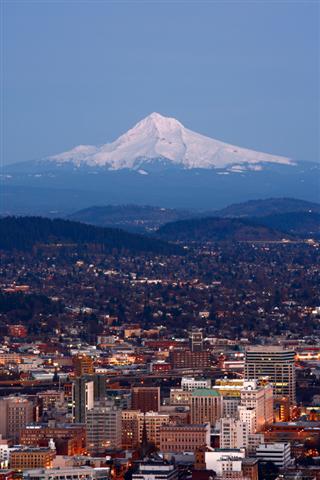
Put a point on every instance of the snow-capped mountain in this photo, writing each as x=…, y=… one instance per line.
x=157, y=162
x=162, y=138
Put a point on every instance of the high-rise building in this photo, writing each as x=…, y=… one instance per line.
x=146, y=399
x=206, y=406
x=99, y=386
x=15, y=414
x=276, y=363
x=247, y=415
x=83, y=365
x=196, y=341
x=230, y=406
x=82, y=398
x=130, y=429
x=233, y=433
x=67, y=394
x=103, y=423
x=259, y=398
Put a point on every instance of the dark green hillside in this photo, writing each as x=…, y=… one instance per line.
x=22, y=233
x=304, y=224
x=269, y=206
x=217, y=229
x=134, y=218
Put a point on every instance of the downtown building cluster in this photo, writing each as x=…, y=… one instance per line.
x=197, y=409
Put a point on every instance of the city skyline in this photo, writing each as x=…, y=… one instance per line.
x=159, y=240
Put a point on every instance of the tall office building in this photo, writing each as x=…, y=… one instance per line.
x=230, y=406
x=103, y=423
x=247, y=416
x=206, y=406
x=240, y=432
x=130, y=429
x=99, y=386
x=260, y=399
x=233, y=433
x=82, y=398
x=15, y=414
x=146, y=399
x=196, y=341
x=276, y=363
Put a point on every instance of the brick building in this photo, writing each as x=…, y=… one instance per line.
x=180, y=438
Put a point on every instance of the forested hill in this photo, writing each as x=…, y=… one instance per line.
x=218, y=229
x=298, y=225
x=303, y=224
x=22, y=233
x=134, y=218
x=268, y=206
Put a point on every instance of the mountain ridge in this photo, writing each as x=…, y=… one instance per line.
x=149, y=218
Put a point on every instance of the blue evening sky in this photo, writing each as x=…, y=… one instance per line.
x=83, y=72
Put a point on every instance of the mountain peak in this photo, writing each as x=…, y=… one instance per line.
x=157, y=137
x=157, y=117
x=160, y=119
x=159, y=122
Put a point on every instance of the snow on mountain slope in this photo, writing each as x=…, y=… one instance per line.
x=159, y=137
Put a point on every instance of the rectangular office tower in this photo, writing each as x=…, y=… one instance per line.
x=196, y=341
x=276, y=363
x=103, y=424
x=82, y=398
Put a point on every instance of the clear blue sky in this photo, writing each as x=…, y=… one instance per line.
x=80, y=72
